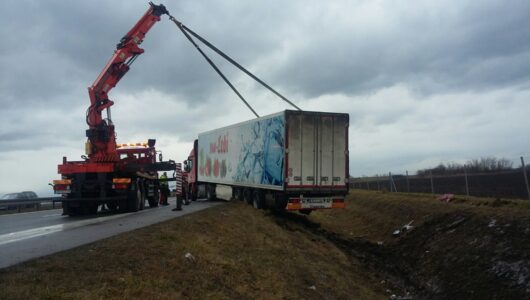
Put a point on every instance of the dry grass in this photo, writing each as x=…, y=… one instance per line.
x=238, y=253
x=375, y=215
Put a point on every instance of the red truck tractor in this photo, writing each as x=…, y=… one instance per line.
x=119, y=176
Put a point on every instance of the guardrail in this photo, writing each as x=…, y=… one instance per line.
x=19, y=204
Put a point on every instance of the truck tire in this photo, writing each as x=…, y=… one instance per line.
x=210, y=192
x=193, y=194
x=132, y=204
x=187, y=197
x=238, y=194
x=247, y=195
x=89, y=208
x=257, y=199
x=112, y=206
x=70, y=210
x=142, y=200
x=153, y=201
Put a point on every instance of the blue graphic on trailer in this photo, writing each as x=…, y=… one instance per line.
x=262, y=153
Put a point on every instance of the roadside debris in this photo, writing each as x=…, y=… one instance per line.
x=446, y=198
x=406, y=297
x=492, y=223
x=189, y=257
x=314, y=288
x=403, y=229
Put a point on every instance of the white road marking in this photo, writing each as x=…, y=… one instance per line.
x=52, y=215
x=40, y=231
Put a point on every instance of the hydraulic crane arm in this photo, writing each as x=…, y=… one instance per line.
x=126, y=52
x=100, y=133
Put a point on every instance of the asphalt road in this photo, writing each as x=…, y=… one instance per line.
x=30, y=235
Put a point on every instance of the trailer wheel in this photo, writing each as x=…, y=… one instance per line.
x=247, y=195
x=239, y=194
x=257, y=200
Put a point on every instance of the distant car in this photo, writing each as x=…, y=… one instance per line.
x=14, y=196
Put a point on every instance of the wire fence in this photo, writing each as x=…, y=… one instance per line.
x=511, y=184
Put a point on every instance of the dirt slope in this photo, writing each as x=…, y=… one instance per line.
x=477, y=248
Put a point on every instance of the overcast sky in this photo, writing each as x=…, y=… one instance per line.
x=424, y=82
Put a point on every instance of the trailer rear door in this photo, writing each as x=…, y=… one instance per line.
x=317, y=155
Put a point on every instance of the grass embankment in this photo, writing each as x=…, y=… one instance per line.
x=238, y=252
x=467, y=249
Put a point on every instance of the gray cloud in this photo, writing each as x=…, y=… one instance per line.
x=314, y=52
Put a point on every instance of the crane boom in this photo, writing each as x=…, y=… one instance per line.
x=101, y=145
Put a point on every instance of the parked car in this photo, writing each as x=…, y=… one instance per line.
x=15, y=196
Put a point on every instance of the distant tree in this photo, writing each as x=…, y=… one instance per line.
x=482, y=165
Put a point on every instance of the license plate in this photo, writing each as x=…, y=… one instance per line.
x=316, y=202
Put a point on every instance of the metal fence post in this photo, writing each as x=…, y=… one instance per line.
x=525, y=177
x=378, y=186
x=432, y=183
x=390, y=180
x=467, y=183
x=408, y=183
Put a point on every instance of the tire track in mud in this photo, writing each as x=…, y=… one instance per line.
x=378, y=259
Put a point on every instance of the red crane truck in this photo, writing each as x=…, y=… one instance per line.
x=293, y=160
x=120, y=176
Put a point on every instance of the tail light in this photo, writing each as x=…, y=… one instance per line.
x=120, y=183
x=62, y=186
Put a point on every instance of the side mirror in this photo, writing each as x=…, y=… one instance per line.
x=187, y=165
x=160, y=157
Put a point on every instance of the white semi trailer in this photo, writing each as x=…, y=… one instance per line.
x=293, y=160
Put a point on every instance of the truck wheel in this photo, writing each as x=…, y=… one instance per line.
x=69, y=210
x=257, y=200
x=247, y=196
x=112, y=206
x=142, y=200
x=187, y=200
x=133, y=199
x=239, y=194
x=305, y=211
x=153, y=201
x=89, y=208
x=193, y=196
x=210, y=193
